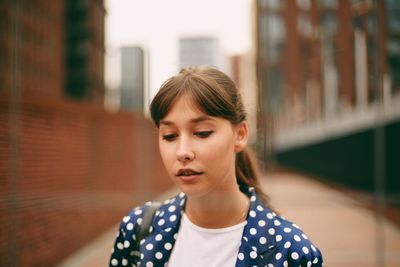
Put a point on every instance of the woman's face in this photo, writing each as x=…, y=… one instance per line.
x=198, y=150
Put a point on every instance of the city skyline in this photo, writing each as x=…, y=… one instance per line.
x=138, y=23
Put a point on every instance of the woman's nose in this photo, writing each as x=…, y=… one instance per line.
x=185, y=152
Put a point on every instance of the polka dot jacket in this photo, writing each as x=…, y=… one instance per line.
x=268, y=239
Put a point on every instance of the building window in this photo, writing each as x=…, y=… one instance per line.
x=393, y=42
x=304, y=4
x=328, y=3
x=271, y=4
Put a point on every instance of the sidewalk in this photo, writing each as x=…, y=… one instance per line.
x=347, y=233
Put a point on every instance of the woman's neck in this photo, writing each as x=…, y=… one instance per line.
x=218, y=209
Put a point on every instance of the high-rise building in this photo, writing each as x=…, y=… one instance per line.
x=318, y=60
x=132, y=78
x=31, y=47
x=329, y=85
x=84, y=51
x=56, y=47
x=242, y=72
x=199, y=51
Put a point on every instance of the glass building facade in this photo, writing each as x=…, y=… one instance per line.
x=322, y=61
x=328, y=80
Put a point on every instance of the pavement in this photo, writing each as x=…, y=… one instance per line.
x=347, y=233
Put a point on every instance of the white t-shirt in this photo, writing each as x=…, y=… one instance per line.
x=198, y=246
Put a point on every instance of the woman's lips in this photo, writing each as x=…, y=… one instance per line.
x=188, y=175
x=188, y=178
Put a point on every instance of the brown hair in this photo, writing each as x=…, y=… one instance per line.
x=215, y=94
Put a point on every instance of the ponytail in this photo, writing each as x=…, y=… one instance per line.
x=248, y=175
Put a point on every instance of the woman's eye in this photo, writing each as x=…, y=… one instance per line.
x=169, y=137
x=203, y=134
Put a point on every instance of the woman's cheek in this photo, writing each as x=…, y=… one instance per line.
x=166, y=156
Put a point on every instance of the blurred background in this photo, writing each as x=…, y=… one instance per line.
x=320, y=80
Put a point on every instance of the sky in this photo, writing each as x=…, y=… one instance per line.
x=156, y=25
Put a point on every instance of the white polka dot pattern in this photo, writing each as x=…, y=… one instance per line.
x=129, y=226
x=159, y=255
x=253, y=231
x=295, y=255
x=168, y=246
x=268, y=239
x=241, y=256
x=278, y=238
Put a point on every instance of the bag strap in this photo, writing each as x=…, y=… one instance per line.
x=144, y=228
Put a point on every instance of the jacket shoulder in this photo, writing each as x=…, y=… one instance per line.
x=125, y=248
x=134, y=217
x=293, y=245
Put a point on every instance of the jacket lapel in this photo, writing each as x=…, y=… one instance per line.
x=258, y=235
x=156, y=248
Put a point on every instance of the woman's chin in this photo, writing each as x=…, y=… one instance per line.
x=192, y=190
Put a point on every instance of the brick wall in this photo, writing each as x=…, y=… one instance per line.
x=68, y=171
x=32, y=47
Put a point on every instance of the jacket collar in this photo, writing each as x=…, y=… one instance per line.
x=258, y=234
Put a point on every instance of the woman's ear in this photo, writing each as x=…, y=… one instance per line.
x=241, y=136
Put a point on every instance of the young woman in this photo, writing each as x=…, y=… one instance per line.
x=221, y=217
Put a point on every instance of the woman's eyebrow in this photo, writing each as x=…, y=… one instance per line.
x=194, y=120
x=201, y=119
